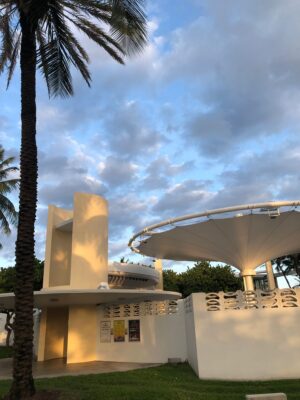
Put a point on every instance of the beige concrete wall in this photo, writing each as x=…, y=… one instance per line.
x=58, y=249
x=191, y=344
x=89, y=242
x=162, y=337
x=82, y=333
x=2, y=330
x=253, y=344
x=42, y=335
x=36, y=332
x=53, y=333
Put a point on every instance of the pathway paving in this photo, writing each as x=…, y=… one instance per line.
x=54, y=368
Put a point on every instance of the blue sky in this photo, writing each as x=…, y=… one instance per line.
x=208, y=116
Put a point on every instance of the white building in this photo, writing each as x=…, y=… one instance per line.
x=91, y=311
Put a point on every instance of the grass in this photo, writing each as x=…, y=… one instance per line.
x=5, y=352
x=167, y=382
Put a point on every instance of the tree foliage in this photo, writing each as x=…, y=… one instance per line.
x=118, y=26
x=288, y=265
x=203, y=277
x=8, y=277
x=8, y=213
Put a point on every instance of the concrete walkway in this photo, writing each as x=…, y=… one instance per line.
x=54, y=368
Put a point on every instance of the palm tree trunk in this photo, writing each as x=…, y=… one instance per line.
x=23, y=384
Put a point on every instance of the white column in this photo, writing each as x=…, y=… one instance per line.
x=270, y=276
x=248, y=282
x=159, y=267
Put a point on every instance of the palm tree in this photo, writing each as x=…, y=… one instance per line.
x=41, y=32
x=8, y=214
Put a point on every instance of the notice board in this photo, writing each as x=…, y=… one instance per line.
x=134, y=330
x=119, y=330
x=105, y=332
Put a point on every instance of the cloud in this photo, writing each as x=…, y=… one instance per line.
x=115, y=171
x=206, y=117
x=130, y=132
x=127, y=212
x=270, y=175
x=61, y=194
x=160, y=170
x=243, y=71
x=183, y=198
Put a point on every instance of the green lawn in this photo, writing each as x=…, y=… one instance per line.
x=5, y=352
x=168, y=382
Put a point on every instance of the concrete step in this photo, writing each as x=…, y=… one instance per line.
x=266, y=396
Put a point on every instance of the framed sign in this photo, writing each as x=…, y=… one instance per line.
x=119, y=331
x=105, y=331
x=134, y=330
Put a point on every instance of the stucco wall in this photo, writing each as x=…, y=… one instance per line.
x=58, y=249
x=82, y=334
x=53, y=333
x=89, y=242
x=2, y=329
x=249, y=344
x=191, y=344
x=162, y=337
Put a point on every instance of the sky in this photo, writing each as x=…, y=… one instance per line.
x=207, y=116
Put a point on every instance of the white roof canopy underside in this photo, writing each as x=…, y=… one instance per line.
x=73, y=297
x=244, y=241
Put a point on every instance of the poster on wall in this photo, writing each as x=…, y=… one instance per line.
x=119, y=331
x=105, y=331
x=134, y=330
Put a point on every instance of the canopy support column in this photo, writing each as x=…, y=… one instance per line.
x=159, y=267
x=248, y=282
x=270, y=276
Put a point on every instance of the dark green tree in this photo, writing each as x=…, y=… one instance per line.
x=7, y=284
x=203, y=277
x=172, y=280
x=8, y=277
x=40, y=32
x=288, y=265
x=8, y=213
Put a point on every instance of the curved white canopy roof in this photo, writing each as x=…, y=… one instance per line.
x=244, y=241
x=72, y=297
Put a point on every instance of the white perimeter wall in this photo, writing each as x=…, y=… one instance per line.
x=191, y=344
x=2, y=330
x=245, y=344
x=255, y=344
x=162, y=337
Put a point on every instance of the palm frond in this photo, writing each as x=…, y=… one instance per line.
x=99, y=10
x=60, y=50
x=95, y=33
x=9, y=185
x=5, y=163
x=8, y=214
x=41, y=56
x=5, y=172
x=8, y=210
x=7, y=40
x=129, y=25
x=4, y=224
x=13, y=59
x=57, y=47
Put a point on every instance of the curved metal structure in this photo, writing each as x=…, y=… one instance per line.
x=267, y=207
x=242, y=239
x=132, y=276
